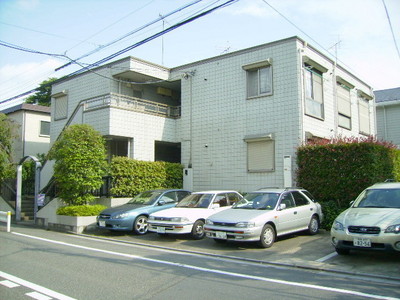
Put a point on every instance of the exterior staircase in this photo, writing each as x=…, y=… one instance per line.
x=27, y=207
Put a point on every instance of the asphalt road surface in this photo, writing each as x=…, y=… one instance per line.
x=41, y=264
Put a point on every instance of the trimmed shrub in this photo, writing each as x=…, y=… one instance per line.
x=130, y=177
x=81, y=210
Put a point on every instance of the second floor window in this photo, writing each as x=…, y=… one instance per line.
x=314, y=103
x=344, y=106
x=259, y=81
x=363, y=111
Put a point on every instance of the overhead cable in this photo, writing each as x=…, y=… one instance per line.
x=391, y=28
x=173, y=27
x=130, y=33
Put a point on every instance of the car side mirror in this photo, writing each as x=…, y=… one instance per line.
x=161, y=202
x=282, y=206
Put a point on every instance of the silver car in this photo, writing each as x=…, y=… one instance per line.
x=371, y=223
x=264, y=215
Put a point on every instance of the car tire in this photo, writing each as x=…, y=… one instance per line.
x=342, y=251
x=198, y=230
x=313, y=227
x=267, y=237
x=140, y=226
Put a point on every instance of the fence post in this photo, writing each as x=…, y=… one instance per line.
x=8, y=221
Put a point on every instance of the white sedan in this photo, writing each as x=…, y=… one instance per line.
x=190, y=214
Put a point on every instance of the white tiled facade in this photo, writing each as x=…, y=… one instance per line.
x=217, y=118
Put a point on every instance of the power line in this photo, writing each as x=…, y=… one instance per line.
x=391, y=28
x=130, y=33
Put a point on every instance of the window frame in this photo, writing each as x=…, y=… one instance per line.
x=344, y=109
x=41, y=133
x=256, y=68
x=313, y=76
x=364, y=101
x=258, y=148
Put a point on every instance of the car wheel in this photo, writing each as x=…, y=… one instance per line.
x=342, y=251
x=267, y=237
x=198, y=230
x=313, y=227
x=140, y=225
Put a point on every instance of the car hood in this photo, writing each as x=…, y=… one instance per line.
x=123, y=208
x=240, y=215
x=380, y=217
x=190, y=213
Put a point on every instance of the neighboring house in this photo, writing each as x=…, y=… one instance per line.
x=388, y=115
x=32, y=134
x=234, y=121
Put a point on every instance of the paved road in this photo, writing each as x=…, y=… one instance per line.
x=83, y=267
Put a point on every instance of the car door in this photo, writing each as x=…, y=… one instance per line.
x=287, y=215
x=304, y=209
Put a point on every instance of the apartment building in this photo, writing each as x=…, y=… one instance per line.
x=234, y=121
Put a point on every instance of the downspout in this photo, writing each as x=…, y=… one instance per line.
x=23, y=132
x=302, y=97
x=191, y=121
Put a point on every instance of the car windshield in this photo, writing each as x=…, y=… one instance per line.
x=147, y=198
x=381, y=198
x=196, y=200
x=265, y=201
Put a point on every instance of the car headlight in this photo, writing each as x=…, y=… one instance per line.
x=393, y=229
x=179, y=219
x=245, y=224
x=209, y=222
x=121, y=216
x=337, y=226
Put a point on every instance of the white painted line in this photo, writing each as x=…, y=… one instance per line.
x=35, y=287
x=38, y=296
x=214, y=271
x=9, y=284
x=325, y=258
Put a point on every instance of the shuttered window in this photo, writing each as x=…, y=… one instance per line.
x=61, y=107
x=260, y=156
x=363, y=111
x=344, y=106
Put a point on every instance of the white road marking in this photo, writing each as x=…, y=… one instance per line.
x=35, y=287
x=9, y=284
x=233, y=274
x=325, y=258
x=38, y=296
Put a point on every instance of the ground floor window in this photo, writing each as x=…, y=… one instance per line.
x=260, y=154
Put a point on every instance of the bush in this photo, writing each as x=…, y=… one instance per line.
x=331, y=210
x=130, y=177
x=81, y=210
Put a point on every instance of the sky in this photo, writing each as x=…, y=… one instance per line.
x=363, y=35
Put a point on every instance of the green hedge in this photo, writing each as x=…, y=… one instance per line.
x=130, y=177
x=81, y=210
x=335, y=172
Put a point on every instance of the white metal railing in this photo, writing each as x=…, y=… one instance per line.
x=5, y=216
x=133, y=104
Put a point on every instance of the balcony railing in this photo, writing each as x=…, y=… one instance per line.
x=133, y=104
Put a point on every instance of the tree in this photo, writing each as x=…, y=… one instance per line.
x=80, y=163
x=6, y=166
x=43, y=94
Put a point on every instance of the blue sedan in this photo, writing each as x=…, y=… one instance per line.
x=133, y=215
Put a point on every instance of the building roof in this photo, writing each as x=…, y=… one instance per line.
x=387, y=95
x=27, y=106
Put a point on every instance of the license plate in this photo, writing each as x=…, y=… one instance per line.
x=160, y=229
x=362, y=242
x=102, y=223
x=220, y=235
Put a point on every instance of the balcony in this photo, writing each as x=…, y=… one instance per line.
x=133, y=104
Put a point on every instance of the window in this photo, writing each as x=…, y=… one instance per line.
x=300, y=199
x=233, y=198
x=61, y=107
x=260, y=153
x=344, y=105
x=259, y=79
x=314, y=103
x=363, y=114
x=45, y=128
x=287, y=199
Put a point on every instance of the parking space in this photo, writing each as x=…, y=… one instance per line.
x=300, y=250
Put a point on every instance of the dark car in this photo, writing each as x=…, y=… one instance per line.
x=133, y=215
